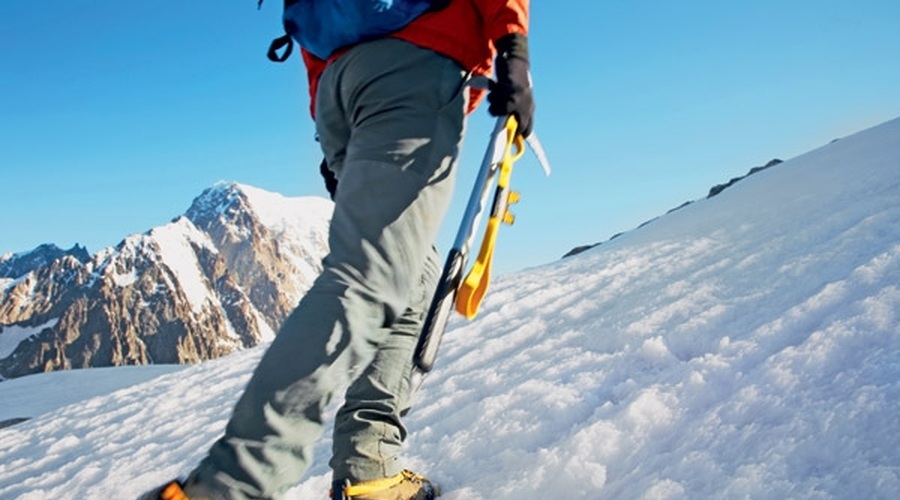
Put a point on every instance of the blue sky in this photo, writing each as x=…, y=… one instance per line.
x=115, y=115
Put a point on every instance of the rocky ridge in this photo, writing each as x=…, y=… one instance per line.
x=220, y=278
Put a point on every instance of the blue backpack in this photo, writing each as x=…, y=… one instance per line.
x=323, y=26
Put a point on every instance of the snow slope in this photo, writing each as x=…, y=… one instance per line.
x=744, y=346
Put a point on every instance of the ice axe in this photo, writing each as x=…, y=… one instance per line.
x=504, y=148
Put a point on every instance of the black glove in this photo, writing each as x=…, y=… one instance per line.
x=511, y=94
x=328, y=177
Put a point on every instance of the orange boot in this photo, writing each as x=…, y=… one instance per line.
x=406, y=485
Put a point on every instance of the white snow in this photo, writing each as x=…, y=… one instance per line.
x=175, y=242
x=297, y=224
x=13, y=335
x=296, y=215
x=745, y=346
x=125, y=279
x=20, y=399
x=266, y=333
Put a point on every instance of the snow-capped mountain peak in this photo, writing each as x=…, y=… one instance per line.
x=227, y=201
x=220, y=278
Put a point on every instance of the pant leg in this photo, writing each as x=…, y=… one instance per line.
x=429, y=93
x=390, y=119
x=368, y=430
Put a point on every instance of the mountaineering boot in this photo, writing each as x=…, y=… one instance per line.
x=406, y=485
x=178, y=490
x=169, y=491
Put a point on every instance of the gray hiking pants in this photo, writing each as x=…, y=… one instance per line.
x=390, y=119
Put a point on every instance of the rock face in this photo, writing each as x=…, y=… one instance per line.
x=220, y=278
x=15, y=265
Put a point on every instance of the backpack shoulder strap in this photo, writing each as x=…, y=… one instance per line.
x=283, y=42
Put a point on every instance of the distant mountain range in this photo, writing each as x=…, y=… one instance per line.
x=218, y=279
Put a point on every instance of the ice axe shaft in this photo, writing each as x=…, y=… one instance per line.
x=504, y=148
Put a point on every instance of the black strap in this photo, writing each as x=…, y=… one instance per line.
x=277, y=44
x=436, y=5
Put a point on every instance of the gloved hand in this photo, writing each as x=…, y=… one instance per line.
x=511, y=93
x=328, y=177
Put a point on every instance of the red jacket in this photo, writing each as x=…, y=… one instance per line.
x=463, y=31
